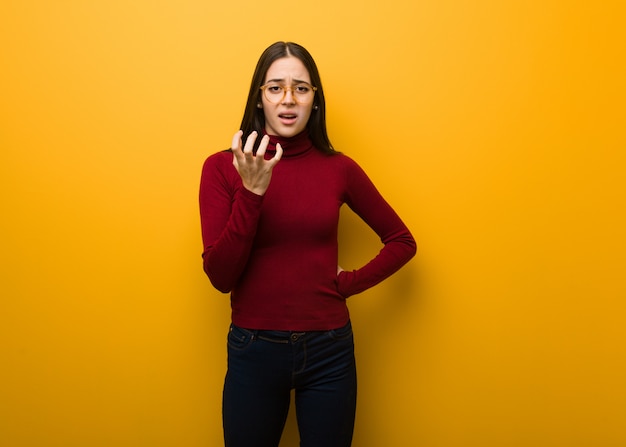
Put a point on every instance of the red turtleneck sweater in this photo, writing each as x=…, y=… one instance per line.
x=277, y=254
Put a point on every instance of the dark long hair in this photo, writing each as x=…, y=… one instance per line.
x=253, y=117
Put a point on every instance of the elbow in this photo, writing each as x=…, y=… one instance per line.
x=224, y=288
x=410, y=251
x=216, y=277
x=410, y=246
x=218, y=283
x=413, y=247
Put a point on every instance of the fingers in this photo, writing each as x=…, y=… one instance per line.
x=263, y=146
x=237, y=140
x=247, y=155
x=255, y=171
x=236, y=148
x=247, y=149
x=279, y=152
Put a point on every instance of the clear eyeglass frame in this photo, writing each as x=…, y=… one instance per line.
x=275, y=97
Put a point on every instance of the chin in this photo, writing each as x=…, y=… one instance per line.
x=290, y=133
x=286, y=132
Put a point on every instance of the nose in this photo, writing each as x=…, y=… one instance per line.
x=288, y=97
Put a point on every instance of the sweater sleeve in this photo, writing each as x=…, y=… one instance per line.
x=398, y=244
x=229, y=214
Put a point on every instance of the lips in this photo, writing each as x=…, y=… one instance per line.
x=287, y=118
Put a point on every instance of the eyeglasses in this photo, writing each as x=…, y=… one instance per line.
x=302, y=92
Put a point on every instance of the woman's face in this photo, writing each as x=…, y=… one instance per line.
x=287, y=115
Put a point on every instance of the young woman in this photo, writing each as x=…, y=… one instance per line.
x=270, y=211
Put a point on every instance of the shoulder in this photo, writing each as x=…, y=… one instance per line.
x=219, y=159
x=219, y=162
x=342, y=171
x=219, y=167
x=338, y=159
x=346, y=164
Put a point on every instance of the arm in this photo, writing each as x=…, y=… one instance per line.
x=230, y=206
x=398, y=244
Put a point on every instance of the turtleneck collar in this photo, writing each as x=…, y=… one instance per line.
x=292, y=146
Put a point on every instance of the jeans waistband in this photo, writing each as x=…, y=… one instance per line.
x=275, y=336
x=279, y=336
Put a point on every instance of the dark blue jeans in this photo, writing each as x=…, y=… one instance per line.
x=263, y=368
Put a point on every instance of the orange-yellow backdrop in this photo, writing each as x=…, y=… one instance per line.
x=496, y=129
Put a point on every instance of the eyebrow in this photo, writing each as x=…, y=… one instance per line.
x=295, y=81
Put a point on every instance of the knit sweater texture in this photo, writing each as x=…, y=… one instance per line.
x=277, y=253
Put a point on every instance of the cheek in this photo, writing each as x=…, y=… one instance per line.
x=267, y=111
x=263, y=103
x=307, y=114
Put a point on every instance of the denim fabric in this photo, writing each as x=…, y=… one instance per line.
x=263, y=368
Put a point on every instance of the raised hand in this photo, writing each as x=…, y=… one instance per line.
x=254, y=170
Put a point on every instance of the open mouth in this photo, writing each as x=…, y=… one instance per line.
x=287, y=118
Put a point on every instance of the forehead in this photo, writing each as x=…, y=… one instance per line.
x=286, y=69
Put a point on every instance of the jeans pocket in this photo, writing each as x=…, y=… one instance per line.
x=239, y=338
x=342, y=333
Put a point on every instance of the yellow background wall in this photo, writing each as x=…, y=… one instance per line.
x=496, y=129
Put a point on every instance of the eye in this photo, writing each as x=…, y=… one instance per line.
x=302, y=88
x=273, y=88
